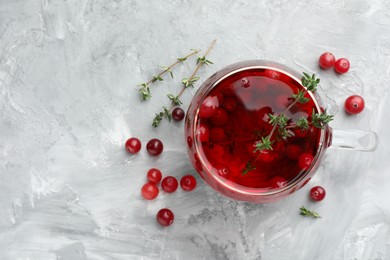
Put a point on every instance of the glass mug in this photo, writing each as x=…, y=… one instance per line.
x=230, y=113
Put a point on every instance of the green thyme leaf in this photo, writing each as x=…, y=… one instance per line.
x=302, y=123
x=321, y=120
x=190, y=82
x=157, y=78
x=157, y=119
x=167, y=114
x=248, y=167
x=175, y=100
x=167, y=69
x=300, y=97
x=306, y=212
x=160, y=116
x=264, y=144
x=280, y=120
x=284, y=133
x=203, y=60
x=310, y=82
x=145, y=92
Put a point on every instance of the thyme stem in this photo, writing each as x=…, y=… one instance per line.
x=180, y=60
x=194, y=73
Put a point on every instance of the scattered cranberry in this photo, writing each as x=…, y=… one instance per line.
x=169, y=184
x=230, y=104
x=149, y=191
x=326, y=60
x=209, y=107
x=133, y=145
x=188, y=182
x=154, y=175
x=341, y=65
x=305, y=161
x=317, y=193
x=203, y=132
x=154, y=147
x=178, y=114
x=354, y=104
x=217, y=134
x=165, y=217
x=220, y=117
x=278, y=182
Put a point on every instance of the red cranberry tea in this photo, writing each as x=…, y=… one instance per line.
x=235, y=115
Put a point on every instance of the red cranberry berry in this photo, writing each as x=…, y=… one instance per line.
x=245, y=83
x=220, y=117
x=268, y=156
x=300, y=133
x=305, y=161
x=209, y=107
x=178, y=114
x=326, y=60
x=169, y=184
x=165, y=217
x=188, y=182
x=215, y=152
x=203, y=132
x=149, y=191
x=317, y=193
x=293, y=151
x=217, y=134
x=341, y=66
x=154, y=175
x=154, y=147
x=133, y=145
x=230, y=104
x=220, y=98
x=354, y=104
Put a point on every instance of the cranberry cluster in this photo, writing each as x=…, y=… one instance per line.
x=169, y=184
x=353, y=104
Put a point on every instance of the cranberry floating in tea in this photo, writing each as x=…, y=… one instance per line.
x=258, y=131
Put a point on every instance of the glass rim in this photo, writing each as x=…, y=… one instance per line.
x=237, y=187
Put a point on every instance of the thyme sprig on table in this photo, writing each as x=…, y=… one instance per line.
x=187, y=82
x=305, y=212
x=144, y=90
x=284, y=125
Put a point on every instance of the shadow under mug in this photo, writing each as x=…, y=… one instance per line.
x=328, y=137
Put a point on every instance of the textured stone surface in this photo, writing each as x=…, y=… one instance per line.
x=68, y=102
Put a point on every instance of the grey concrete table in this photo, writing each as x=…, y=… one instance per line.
x=68, y=99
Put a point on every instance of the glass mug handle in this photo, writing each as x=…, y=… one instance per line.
x=353, y=139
